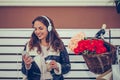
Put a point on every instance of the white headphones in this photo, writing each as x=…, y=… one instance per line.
x=50, y=25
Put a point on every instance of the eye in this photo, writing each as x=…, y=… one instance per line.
x=40, y=28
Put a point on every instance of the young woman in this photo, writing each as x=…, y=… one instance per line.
x=51, y=59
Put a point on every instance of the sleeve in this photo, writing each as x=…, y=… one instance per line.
x=58, y=72
x=34, y=69
x=64, y=61
x=23, y=68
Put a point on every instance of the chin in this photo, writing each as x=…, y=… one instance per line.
x=39, y=37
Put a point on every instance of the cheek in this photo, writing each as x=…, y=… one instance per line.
x=46, y=33
x=35, y=32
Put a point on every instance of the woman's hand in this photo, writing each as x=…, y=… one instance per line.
x=27, y=60
x=53, y=65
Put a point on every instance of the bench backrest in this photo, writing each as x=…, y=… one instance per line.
x=12, y=42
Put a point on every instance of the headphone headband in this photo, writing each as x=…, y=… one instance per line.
x=50, y=25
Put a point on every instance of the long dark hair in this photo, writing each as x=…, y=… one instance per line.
x=52, y=37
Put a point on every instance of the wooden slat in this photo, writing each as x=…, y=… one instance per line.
x=13, y=58
x=64, y=79
x=17, y=66
x=115, y=36
x=11, y=42
x=115, y=41
x=78, y=74
x=15, y=32
x=61, y=32
x=8, y=41
x=17, y=49
x=9, y=74
x=14, y=66
x=71, y=74
x=11, y=49
x=115, y=32
x=16, y=41
x=10, y=58
x=71, y=32
x=80, y=79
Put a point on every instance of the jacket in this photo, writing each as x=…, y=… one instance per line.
x=34, y=73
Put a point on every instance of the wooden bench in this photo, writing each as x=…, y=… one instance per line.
x=12, y=41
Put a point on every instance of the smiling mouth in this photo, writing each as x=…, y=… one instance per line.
x=39, y=35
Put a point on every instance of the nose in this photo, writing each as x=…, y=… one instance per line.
x=37, y=31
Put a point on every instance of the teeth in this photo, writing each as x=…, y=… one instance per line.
x=38, y=36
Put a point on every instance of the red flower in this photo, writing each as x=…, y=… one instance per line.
x=90, y=46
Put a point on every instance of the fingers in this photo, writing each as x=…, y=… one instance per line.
x=27, y=59
x=53, y=64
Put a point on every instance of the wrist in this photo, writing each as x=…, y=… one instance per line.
x=57, y=70
x=28, y=66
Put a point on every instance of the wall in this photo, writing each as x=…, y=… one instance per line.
x=63, y=17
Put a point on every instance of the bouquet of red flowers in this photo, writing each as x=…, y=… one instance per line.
x=97, y=53
x=90, y=46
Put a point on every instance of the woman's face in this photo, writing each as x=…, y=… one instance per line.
x=40, y=30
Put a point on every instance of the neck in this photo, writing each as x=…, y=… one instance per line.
x=44, y=43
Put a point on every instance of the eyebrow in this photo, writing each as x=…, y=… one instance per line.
x=38, y=27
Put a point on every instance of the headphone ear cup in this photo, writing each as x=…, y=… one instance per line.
x=49, y=28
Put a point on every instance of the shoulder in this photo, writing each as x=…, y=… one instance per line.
x=30, y=51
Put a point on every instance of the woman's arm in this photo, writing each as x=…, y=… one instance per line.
x=64, y=61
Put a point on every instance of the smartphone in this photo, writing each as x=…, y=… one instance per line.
x=25, y=53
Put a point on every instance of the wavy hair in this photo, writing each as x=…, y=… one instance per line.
x=52, y=38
